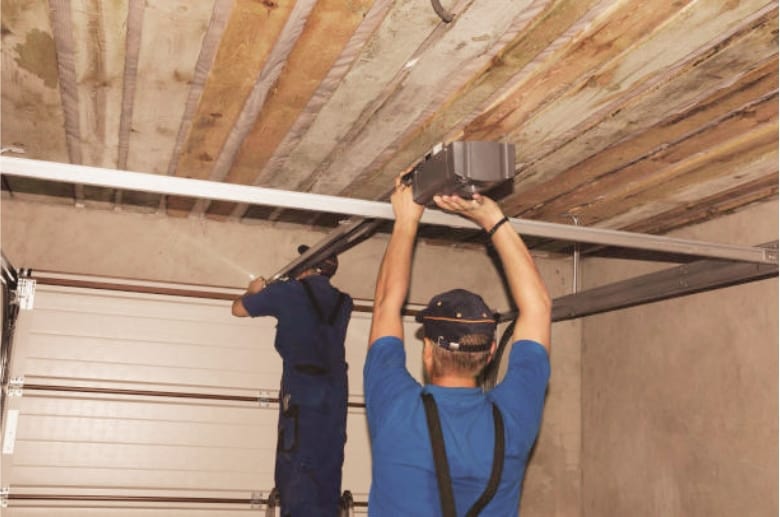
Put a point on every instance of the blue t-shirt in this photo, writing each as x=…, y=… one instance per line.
x=403, y=472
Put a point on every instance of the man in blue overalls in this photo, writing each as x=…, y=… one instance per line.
x=312, y=324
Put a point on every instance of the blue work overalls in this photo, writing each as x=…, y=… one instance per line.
x=312, y=323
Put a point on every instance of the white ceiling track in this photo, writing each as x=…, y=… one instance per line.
x=203, y=189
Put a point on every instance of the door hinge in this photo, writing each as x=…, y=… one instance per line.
x=16, y=386
x=4, y=492
x=256, y=500
x=266, y=398
x=25, y=293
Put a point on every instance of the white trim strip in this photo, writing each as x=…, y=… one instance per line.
x=204, y=189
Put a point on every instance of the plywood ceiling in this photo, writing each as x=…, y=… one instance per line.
x=626, y=114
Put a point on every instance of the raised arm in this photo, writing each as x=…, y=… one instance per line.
x=526, y=285
x=392, y=283
x=255, y=286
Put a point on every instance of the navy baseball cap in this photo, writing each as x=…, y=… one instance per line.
x=327, y=267
x=451, y=315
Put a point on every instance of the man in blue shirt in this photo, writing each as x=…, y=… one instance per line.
x=459, y=340
x=312, y=324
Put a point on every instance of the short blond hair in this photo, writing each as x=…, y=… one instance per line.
x=450, y=362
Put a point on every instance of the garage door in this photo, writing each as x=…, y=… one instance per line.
x=131, y=403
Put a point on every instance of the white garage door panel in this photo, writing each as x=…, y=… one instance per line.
x=91, y=443
x=203, y=484
x=139, y=457
x=37, y=429
x=144, y=510
x=80, y=442
x=217, y=333
x=140, y=512
x=144, y=409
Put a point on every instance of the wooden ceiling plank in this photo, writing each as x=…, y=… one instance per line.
x=751, y=153
x=649, y=168
x=538, y=29
x=681, y=41
x=276, y=62
x=62, y=27
x=133, y=36
x=537, y=45
x=611, y=36
x=99, y=65
x=703, y=209
x=168, y=51
x=443, y=67
x=701, y=183
x=247, y=42
x=308, y=63
x=31, y=116
x=371, y=21
x=383, y=56
x=220, y=15
x=683, y=105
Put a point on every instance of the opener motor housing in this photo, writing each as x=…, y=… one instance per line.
x=463, y=168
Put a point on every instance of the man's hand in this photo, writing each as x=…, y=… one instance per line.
x=256, y=285
x=480, y=209
x=404, y=207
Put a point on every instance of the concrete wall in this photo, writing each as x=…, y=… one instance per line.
x=151, y=247
x=680, y=398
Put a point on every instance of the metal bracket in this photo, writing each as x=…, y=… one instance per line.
x=25, y=293
x=575, y=277
x=4, y=493
x=256, y=500
x=16, y=386
x=266, y=398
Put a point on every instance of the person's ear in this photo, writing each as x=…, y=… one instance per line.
x=427, y=354
x=493, y=349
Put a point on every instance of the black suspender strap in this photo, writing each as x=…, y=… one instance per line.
x=439, y=456
x=442, y=466
x=498, y=466
x=335, y=312
x=313, y=299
